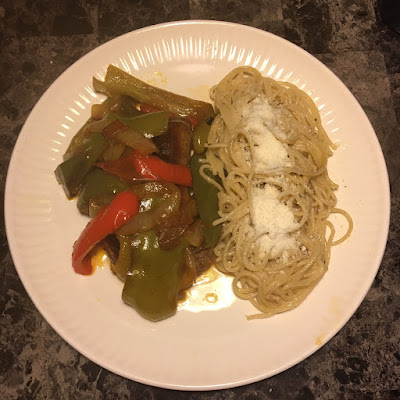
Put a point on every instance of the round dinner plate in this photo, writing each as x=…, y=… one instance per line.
x=208, y=344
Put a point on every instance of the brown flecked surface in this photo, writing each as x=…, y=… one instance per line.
x=40, y=39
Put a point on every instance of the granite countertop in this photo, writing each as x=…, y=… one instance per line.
x=40, y=39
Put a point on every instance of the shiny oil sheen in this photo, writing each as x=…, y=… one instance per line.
x=211, y=291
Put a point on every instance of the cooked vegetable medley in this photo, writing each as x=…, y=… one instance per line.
x=132, y=170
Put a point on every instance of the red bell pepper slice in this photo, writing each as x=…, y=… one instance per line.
x=124, y=206
x=152, y=167
x=123, y=167
x=136, y=167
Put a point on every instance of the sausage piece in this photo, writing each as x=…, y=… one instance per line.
x=175, y=145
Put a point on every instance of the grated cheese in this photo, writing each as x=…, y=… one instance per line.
x=272, y=220
x=263, y=127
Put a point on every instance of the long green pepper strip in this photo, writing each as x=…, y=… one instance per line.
x=207, y=202
x=120, y=82
x=200, y=136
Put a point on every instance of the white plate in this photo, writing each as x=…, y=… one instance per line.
x=199, y=348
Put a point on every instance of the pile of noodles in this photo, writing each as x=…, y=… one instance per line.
x=271, y=282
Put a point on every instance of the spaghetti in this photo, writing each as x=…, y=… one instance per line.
x=268, y=147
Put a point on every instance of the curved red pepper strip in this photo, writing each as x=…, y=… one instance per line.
x=136, y=167
x=124, y=206
x=152, y=167
x=122, y=167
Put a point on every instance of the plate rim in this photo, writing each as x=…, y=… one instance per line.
x=13, y=245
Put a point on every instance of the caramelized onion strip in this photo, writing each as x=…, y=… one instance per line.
x=147, y=220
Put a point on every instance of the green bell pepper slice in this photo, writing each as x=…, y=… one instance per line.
x=123, y=263
x=98, y=203
x=200, y=136
x=206, y=195
x=71, y=173
x=96, y=184
x=78, y=139
x=149, y=124
x=154, y=277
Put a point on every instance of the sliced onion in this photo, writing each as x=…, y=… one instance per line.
x=130, y=137
x=137, y=141
x=147, y=220
x=153, y=189
x=111, y=104
x=99, y=86
x=99, y=111
x=194, y=234
x=192, y=207
x=98, y=126
x=113, y=152
x=170, y=231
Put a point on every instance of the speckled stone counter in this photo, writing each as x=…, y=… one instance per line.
x=40, y=39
